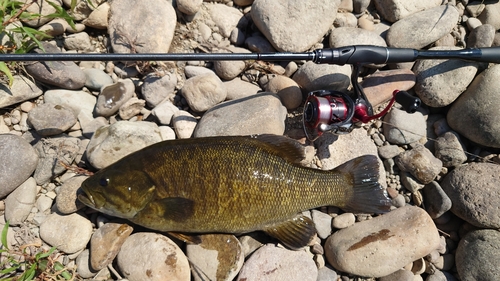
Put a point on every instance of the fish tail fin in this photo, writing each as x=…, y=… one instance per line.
x=367, y=195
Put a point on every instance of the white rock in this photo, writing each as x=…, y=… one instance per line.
x=344, y=220
x=69, y=234
x=184, y=124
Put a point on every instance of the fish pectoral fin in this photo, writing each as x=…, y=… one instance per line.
x=287, y=148
x=176, y=208
x=294, y=233
x=191, y=239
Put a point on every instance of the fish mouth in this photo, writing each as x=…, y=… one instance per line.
x=87, y=199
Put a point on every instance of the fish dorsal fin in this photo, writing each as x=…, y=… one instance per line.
x=287, y=148
x=294, y=233
x=175, y=208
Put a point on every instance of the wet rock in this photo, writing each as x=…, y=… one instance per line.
x=53, y=152
x=19, y=161
x=62, y=74
x=293, y=28
x=184, y=124
x=474, y=191
x=22, y=89
x=287, y=89
x=311, y=76
x=394, y=10
x=111, y=143
x=106, y=243
x=156, y=89
x=450, y=150
x=275, y=263
x=96, y=79
x=379, y=87
x=237, y=89
x=262, y=113
x=151, y=256
x=113, y=96
x=203, y=91
x=66, y=200
x=436, y=200
x=478, y=255
x=440, y=82
x=384, y=244
x=422, y=28
x=19, y=203
x=470, y=115
x=420, y=162
x=401, y=127
x=129, y=34
x=218, y=257
x=69, y=234
x=50, y=119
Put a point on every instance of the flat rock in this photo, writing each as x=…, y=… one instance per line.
x=311, y=76
x=262, y=113
x=152, y=256
x=401, y=127
x=379, y=87
x=440, y=82
x=218, y=257
x=22, y=89
x=50, y=119
x=420, y=162
x=422, y=28
x=113, y=96
x=19, y=161
x=474, y=191
x=164, y=112
x=293, y=27
x=470, y=115
x=394, y=10
x=79, y=101
x=96, y=79
x=478, y=255
x=111, y=143
x=130, y=33
x=19, y=203
x=62, y=74
x=156, y=89
x=66, y=200
x=384, y=244
x=106, y=243
x=274, y=263
x=68, y=234
x=203, y=91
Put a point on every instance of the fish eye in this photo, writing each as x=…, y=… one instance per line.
x=103, y=181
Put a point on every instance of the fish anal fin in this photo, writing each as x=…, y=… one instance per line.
x=175, y=208
x=294, y=233
x=287, y=148
x=191, y=239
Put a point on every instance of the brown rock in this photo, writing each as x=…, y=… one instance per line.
x=106, y=243
x=380, y=86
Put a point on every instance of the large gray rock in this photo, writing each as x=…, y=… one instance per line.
x=62, y=74
x=69, y=234
x=440, y=82
x=473, y=114
x=474, y=190
x=383, y=245
x=296, y=26
x=19, y=160
x=346, y=36
x=50, y=119
x=422, y=28
x=490, y=15
x=258, y=114
x=145, y=26
x=394, y=10
x=311, y=76
x=478, y=255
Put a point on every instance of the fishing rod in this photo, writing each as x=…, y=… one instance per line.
x=324, y=110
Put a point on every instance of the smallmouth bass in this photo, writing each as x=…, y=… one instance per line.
x=233, y=184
